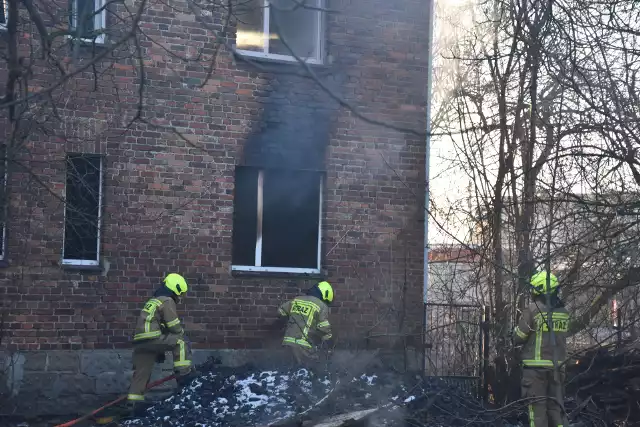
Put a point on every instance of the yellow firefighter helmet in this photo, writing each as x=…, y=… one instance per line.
x=326, y=290
x=539, y=283
x=176, y=283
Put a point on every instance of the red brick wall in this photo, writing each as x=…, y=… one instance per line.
x=168, y=206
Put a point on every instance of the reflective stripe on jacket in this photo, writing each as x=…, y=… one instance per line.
x=308, y=319
x=158, y=314
x=533, y=331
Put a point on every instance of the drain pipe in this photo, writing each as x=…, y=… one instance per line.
x=427, y=158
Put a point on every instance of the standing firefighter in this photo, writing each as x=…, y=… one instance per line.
x=159, y=330
x=545, y=347
x=308, y=320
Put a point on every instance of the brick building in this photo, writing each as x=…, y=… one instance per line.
x=183, y=188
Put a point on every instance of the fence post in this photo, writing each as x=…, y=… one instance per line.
x=480, y=366
x=485, y=353
x=424, y=340
x=619, y=324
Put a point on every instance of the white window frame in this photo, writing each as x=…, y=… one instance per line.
x=86, y=262
x=258, y=252
x=287, y=58
x=5, y=4
x=99, y=20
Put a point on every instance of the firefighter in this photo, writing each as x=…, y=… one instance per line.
x=308, y=323
x=544, y=352
x=159, y=330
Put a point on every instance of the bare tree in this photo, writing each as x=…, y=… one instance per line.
x=547, y=157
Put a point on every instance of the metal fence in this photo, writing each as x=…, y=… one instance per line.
x=455, y=344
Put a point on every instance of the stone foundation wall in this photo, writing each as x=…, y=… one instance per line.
x=62, y=382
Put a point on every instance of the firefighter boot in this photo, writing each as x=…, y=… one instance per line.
x=137, y=409
x=184, y=378
x=123, y=410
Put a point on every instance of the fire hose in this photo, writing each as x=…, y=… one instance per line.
x=118, y=400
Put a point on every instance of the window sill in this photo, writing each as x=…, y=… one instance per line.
x=81, y=267
x=277, y=59
x=250, y=271
x=99, y=41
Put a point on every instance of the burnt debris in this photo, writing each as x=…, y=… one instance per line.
x=246, y=396
x=606, y=380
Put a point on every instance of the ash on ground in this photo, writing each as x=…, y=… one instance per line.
x=247, y=396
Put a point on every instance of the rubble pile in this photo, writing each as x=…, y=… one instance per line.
x=246, y=396
x=608, y=379
x=249, y=397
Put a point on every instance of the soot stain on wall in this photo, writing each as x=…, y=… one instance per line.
x=289, y=145
x=295, y=126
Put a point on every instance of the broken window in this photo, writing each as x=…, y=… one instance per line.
x=82, y=215
x=277, y=220
x=88, y=20
x=267, y=27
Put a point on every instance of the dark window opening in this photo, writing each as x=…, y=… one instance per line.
x=276, y=220
x=82, y=208
x=3, y=200
x=245, y=216
x=3, y=13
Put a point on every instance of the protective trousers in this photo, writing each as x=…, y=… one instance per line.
x=302, y=357
x=144, y=358
x=546, y=397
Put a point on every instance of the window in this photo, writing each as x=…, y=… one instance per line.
x=4, y=14
x=277, y=220
x=4, y=167
x=263, y=24
x=88, y=20
x=82, y=213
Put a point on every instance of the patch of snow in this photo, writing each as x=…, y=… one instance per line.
x=370, y=380
x=247, y=396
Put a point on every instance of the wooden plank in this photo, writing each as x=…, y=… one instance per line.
x=338, y=420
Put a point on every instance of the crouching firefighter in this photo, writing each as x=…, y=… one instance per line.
x=544, y=351
x=159, y=330
x=308, y=323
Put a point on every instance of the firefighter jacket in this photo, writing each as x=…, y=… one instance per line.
x=159, y=315
x=533, y=331
x=308, y=321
